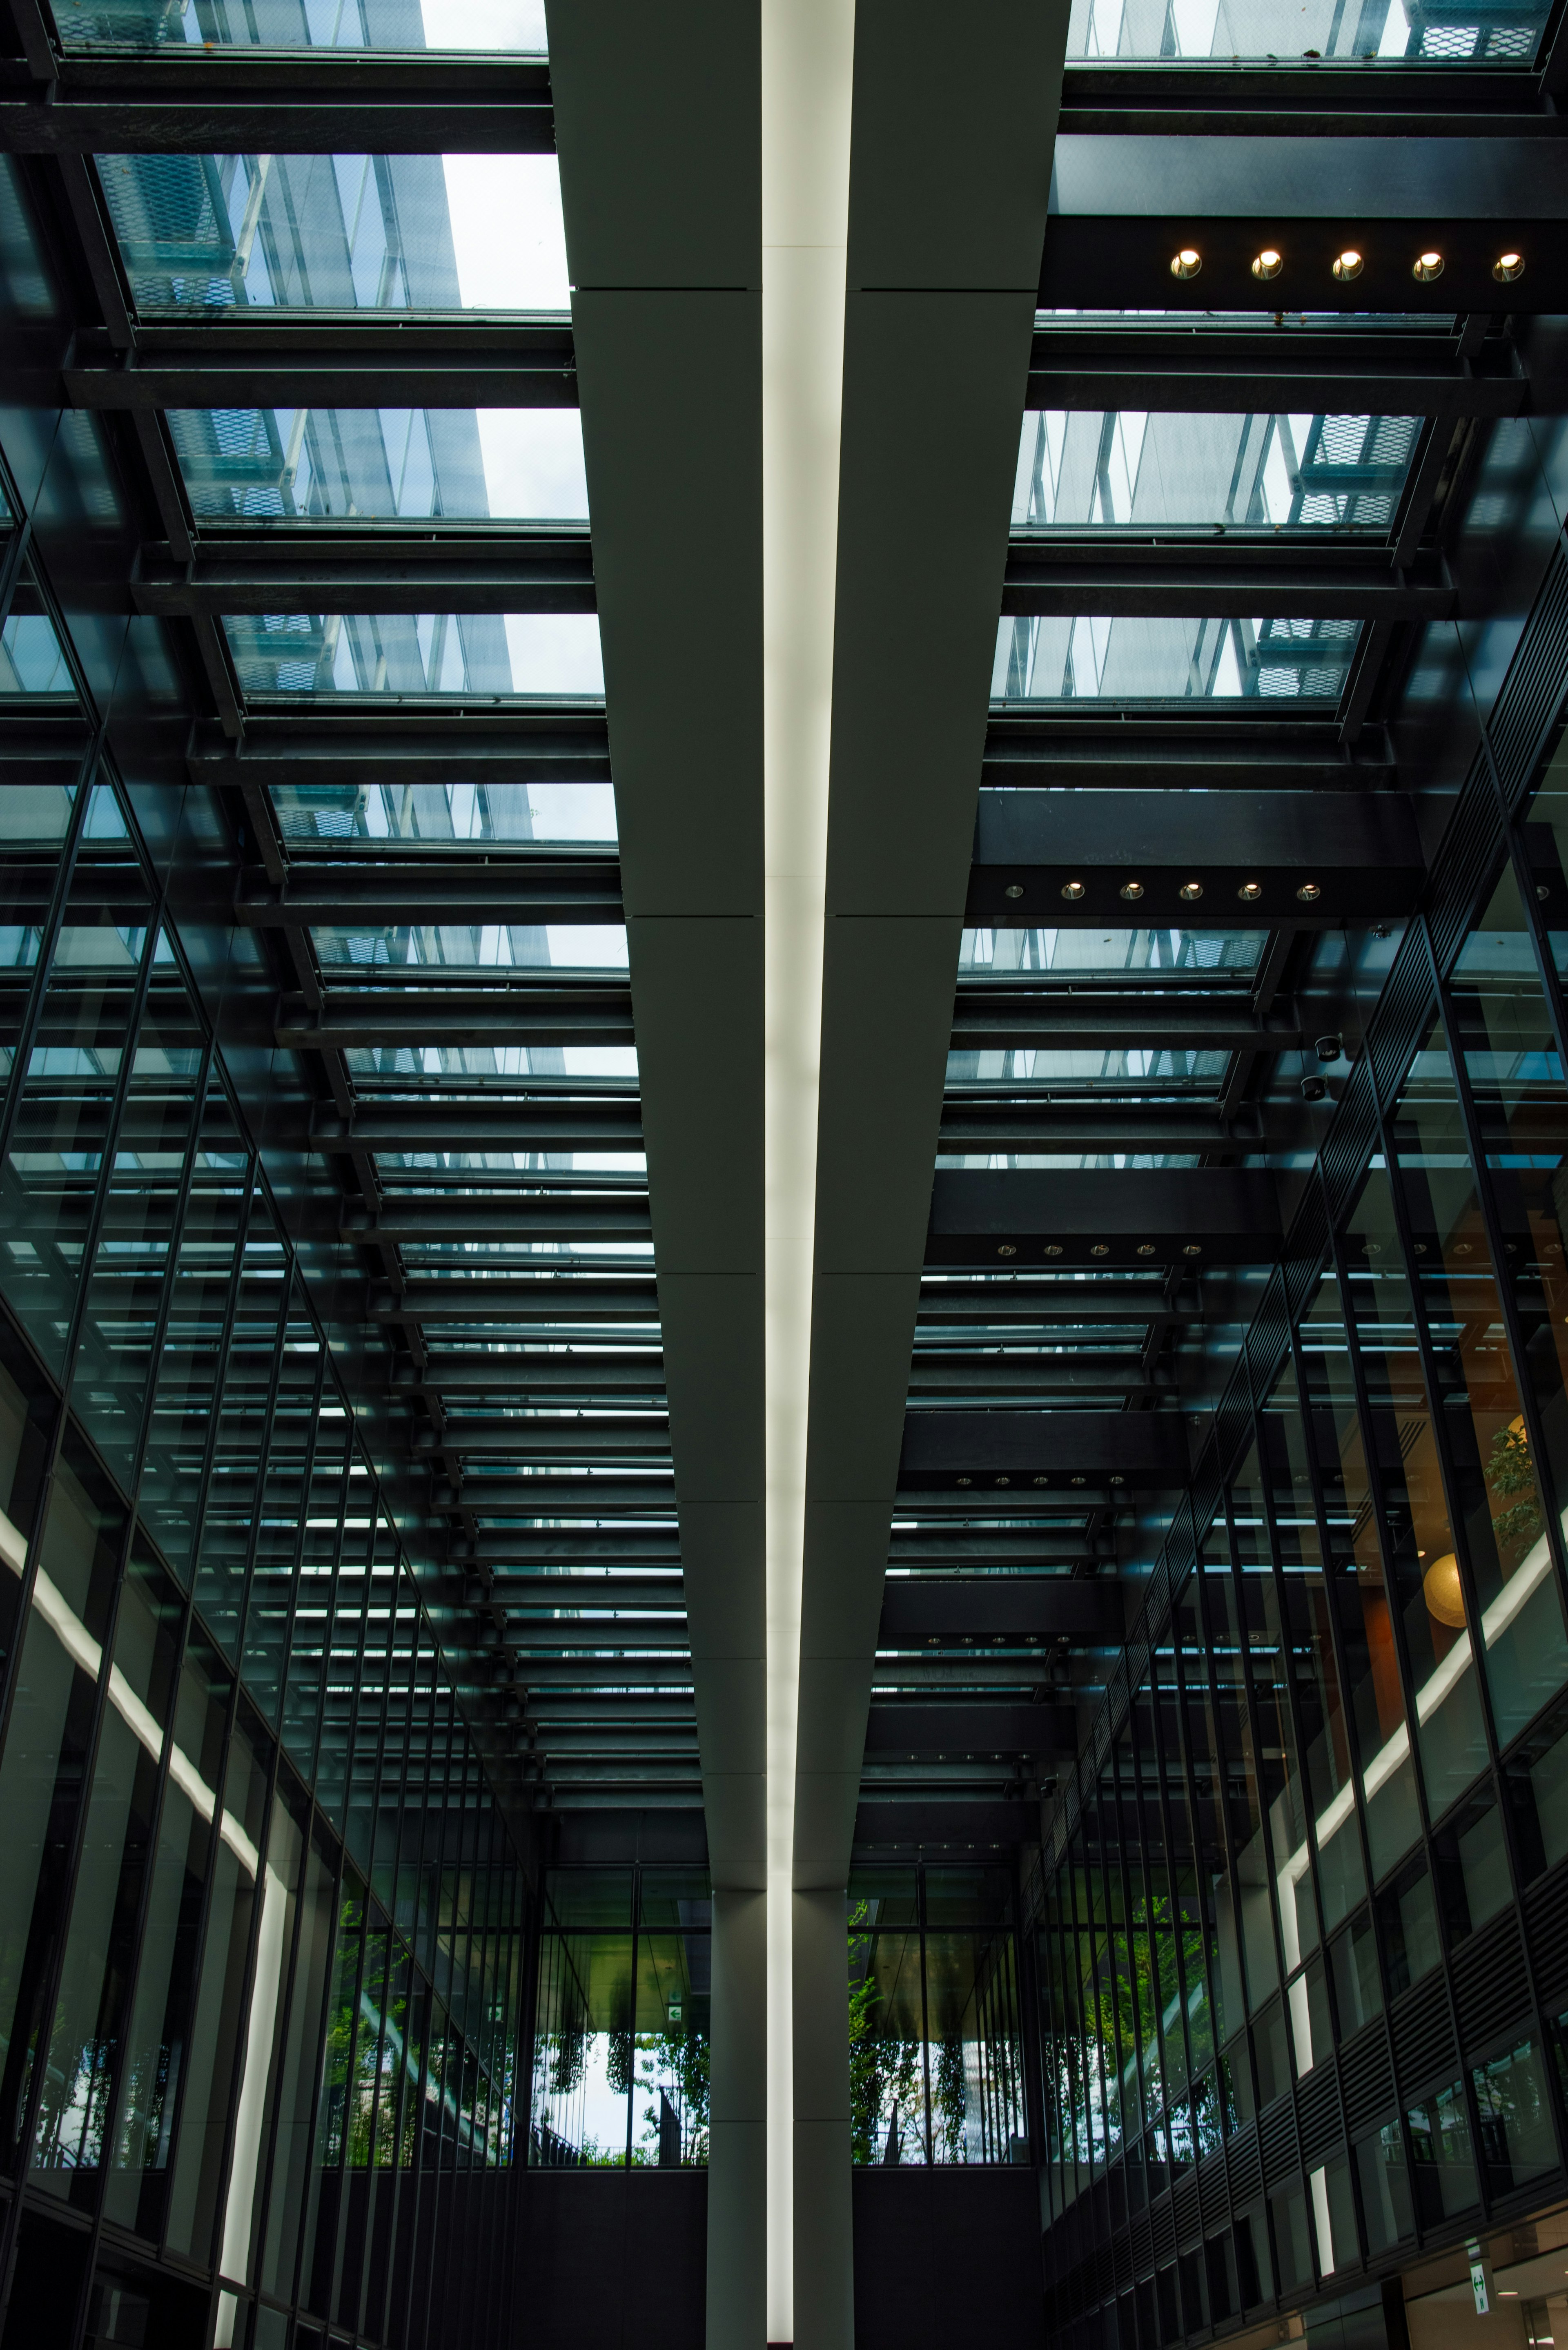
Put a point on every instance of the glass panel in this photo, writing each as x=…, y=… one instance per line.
x=262, y=2051
x=291, y=2161
x=279, y=1520
x=1451, y=1732
x=516, y=464
x=73, y=2128
x=489, y=25
x=157, y=2043
x=1244, y=1784
x=121, y=1320
x=311, y=1617
x=334, y=2105
x=1137, y=659
x=1080, y=469
x=334, y=817
x=484, y=655
x=453, y=946
x=1385, y=2189
x=1524, y=1640
x=217, y=2028
x=583, y=2052
x=340, y=231
x=48, y=1740
x=1272, y=31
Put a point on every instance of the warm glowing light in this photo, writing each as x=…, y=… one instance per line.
x=807, y=60
x=1429, y=267
x=1187, y=263
x=1073, y=891
x=1348, y=263
x=1507, y=267
x=1132, y=891
x=1250, y=892
x=1191, y=891
x=1268, y=263
x=1309, y=893
x=1441, y=1590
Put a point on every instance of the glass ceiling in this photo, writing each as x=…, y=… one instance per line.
x=488, y=946
x=1090, y=951
x=1141, y=659
x=1281, y=32
x=1085, y=470
x=373, y=817
x=266, y=464
x=499, y=26
x=509, y=655
x=340, y=232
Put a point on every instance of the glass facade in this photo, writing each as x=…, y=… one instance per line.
x=262, y=1920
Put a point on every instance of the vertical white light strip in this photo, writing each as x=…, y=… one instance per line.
x=808, y=66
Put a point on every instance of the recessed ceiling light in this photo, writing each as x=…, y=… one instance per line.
x=1013, y=890
x=1309, y=893
x=1250, y=892
x=1267, y=264
x=1348, y=263
x=1099, y=1248
x=963, y=1480
x=1132, y=891
x=1507, y=267
x=1192, y=1249
x=1005, y=1248
x=1146, y=1248
x=1191, y=891
x=1074, y=890
x=1428, y=268
x=1053, y=1248
x=1187, y=263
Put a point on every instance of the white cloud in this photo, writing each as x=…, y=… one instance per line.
x=507, y=232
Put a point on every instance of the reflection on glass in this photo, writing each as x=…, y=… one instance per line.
x=340, y=231
x=31, y=660
x=1432, y=1604
x=1079, y=468
x=1436, y=32
x=521, y=465
x=478, y=655
x=1077, y=953
x=502, y=26
x=1496, y=1473
x=344, y=816
x=1142, y=660
x=591, y=1064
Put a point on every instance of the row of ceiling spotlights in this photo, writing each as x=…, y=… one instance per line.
x=1426, y=268
x=1250, y=892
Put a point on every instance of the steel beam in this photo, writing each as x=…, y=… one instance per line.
x=563, y=1300
x=427, y=746
x=427, y=1013
x=1029, y=1216
x=496, y=887
x=422, y=1221
x=289, y=102
x=530, y=1372
x=977, y=1126
x=534, y=1124
x=1363, y=859
x=1148, y=1449
x=995, y=1017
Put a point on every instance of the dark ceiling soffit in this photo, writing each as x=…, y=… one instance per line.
x=1026, y=1220
x=408, y=746
x=355, y=371
x=1039, y=1606
x=902, y=1729
x=1148, y=1448
x=1361, y=855
x=940, y=1825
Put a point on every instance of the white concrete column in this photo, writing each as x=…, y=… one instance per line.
x=738, y=2118
x=824, y=2232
